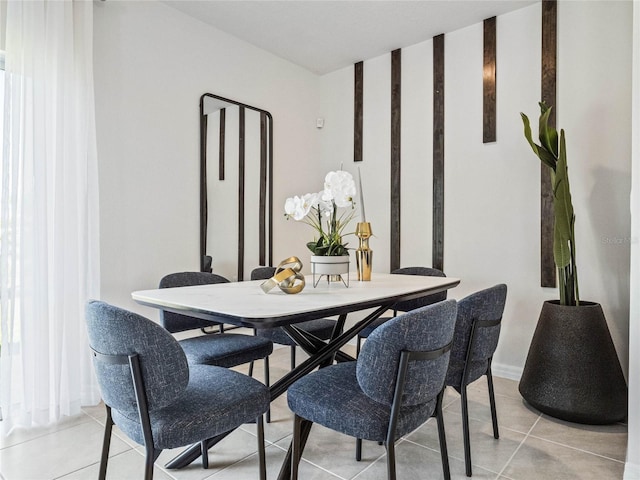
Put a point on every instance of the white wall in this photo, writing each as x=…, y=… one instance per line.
x=492, y=191
x=632, y=467
x=152, y=64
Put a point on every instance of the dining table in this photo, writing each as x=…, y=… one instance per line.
x=245, y=304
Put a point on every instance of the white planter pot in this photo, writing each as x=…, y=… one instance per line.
x=336, y=265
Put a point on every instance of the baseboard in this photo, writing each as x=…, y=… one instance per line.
x=506, y=371
x=631, y=471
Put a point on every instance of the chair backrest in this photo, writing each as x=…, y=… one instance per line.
x=483, y=308
x=262, y=273
x=165, y=371
x=409, y=305
x=421, y=330
x=175, y=322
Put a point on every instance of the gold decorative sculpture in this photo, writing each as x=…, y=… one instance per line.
x=364, y=255
x=287, y=277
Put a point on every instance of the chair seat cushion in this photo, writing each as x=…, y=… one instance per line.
x=215, y=401
x=332, y=397
x=321, y=328
x=365, y=332
x=225, y=349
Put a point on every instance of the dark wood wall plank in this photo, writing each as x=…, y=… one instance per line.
x=548, y=95
x=437, y=256
x=221, y=142
x=489, y=82
x=358, y=96
x=396, y=69
x=241, y=185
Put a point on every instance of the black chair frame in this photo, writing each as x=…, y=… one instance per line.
x=403, y=367
x=153, y=453
x=475, y=326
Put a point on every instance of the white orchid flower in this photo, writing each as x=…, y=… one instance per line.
x=295, y=207
x=340, y=187
x=320, y=211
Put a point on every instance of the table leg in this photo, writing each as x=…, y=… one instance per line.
x=285, y=470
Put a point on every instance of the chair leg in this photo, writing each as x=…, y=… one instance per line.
x=492, y=403
x=296, y=446
x=293, y=357
x=251, y=369
x=358, y=449
x=266, y=382
x=442, y=438
x=148, y=463
x=465, y=430
x=391, y=460
x=261, y=454
x=358, y=341
x=106, y=443
x=204, y=453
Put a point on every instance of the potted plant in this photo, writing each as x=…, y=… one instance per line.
x=572, y=371
x=330, y=255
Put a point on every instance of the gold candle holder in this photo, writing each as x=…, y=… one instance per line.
x=364, y=255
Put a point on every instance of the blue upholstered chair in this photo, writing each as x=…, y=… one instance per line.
x=406, y=305
x=321, y=328
x=395, y=385
x=475, y=341
x=219, y=349
x=156, y=397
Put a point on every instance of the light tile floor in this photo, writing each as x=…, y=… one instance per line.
x=531, y=446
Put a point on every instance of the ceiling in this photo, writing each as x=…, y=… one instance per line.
x=326, y=35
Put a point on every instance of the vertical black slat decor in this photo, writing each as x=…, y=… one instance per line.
x=489, y=82
x=396, y=67
x=548, y=95
x=221, y=143
x=358, y=95
x=203, y=187
x=262, y=208
x=241, y=180
x=437, y=256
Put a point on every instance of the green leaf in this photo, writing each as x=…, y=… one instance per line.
x=540, y=152
x=548, y=135
x=563, y=210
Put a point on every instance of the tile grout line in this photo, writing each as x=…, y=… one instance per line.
x=519, y=447
x=576, y=449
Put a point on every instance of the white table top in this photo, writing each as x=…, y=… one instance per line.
x=244, y=303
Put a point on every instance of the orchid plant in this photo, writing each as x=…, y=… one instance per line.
x=320, y=210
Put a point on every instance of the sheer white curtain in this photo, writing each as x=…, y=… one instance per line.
x=49, y=250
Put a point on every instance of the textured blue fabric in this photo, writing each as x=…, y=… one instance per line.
x=226, y=349
x=175, y=322
x=321, y=328
x=408, y=305
x=186, y=404
x=115, y=331
x=332, y=397
x=486, y=304
x=215, y=401
x=353, y=397
x=424, y=329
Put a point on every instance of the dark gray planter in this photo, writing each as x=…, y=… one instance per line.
x=572, y=371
